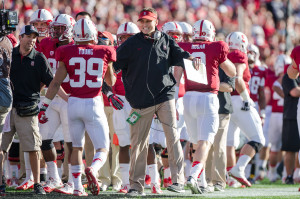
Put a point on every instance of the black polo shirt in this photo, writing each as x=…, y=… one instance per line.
x=290, y=103
x=225, y=97
x=27, y=74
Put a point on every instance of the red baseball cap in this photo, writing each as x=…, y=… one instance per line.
x=107, y=35
x=145, y=14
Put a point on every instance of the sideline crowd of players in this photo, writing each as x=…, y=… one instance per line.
x=255, y=125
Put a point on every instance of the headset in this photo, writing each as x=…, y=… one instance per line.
x=156, y=36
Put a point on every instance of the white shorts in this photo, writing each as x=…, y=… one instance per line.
x=157, y=134
x=181, y=126
x=275, y=131
x=88, y=114
x=59, y=135
x=201, y=115
x=121, y=126
x=267, y=124
x=57, y=114
x=248, y=121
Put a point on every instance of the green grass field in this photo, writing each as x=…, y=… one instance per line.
x=263, y=190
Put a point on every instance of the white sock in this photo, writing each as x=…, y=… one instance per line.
x=243, y=161
x=59, y=170
x=248, y=170
x=52, y=170
x=196, y=169
x=167, y=173
x=14, y=171
x=202, y=179
x=70, y=180
x=76, y=174
x=7, y=169
x=98, y=161
x=153, y=172
x=29, y=174
x=187, y=168
x=124, y=170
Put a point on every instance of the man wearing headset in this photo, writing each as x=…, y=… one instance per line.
x=145, y=60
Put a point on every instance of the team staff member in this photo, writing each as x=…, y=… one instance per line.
x=29, y=69
x=216, y=160
x=290, y=134
x=146, y=59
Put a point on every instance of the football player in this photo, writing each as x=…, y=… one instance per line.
x=257, y=94
x=245, y=117
x=87, y=65
x=187, y=32
x=41, y=20
x=61, y=34
x=201, y=103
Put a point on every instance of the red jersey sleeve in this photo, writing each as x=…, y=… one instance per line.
x=112, y=56
x=295, y=55
x=237, y=57
x=12, y=39
x=224, y=51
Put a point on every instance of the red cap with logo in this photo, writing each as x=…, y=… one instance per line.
x=145, y=14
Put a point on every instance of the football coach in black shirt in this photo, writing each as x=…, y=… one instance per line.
x=146, y=61
x=29, y=68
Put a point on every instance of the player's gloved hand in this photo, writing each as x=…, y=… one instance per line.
x=245, y=106
x=42, y=114
x=115, y=101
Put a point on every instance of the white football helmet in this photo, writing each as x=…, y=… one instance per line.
x=85, y=30
x=186, y=28
x=127, y=28
x=280, y=62
x=204, y=30
x=41, y=15
x=237, y=41
x=173, y=27
x=62, y=20
x=253, y=48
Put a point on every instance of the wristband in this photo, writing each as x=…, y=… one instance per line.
x=47, y=101
x=262, y=113
x=245, y=95
x=176, y=92
x=109, y=93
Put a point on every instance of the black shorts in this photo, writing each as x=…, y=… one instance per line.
x=290, y=136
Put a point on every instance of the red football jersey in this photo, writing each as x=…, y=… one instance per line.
x=86, y=66
x=270, y=79
x=296, y=56
x=119, y=86
x=212, y=54
x=37, y=45
x=258, y=77
x=237, y=56
x=276, y=101
x=12, y=39
x=48, y=48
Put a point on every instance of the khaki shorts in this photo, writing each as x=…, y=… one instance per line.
x=3, y=113
x=28, y=132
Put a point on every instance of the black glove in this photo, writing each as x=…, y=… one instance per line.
x=115, y=101
x=246, y=106
x=106, y=88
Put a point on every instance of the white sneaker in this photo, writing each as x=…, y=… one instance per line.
x=296, y=175
x=14, y=182
x=155, y=188
x=239, y=175
x=51, y=184
x=27, y=184
x=231, y=182
x=68, y=188
x=103, y=187
x=116, y=187
x=193, y=185
x=273, y=176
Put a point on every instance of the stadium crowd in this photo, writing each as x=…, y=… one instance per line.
x=120, y=123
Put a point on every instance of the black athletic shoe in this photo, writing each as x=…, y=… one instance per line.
x=134, y=193
x=38, y=189
x=289, y=179
x=176, y=187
